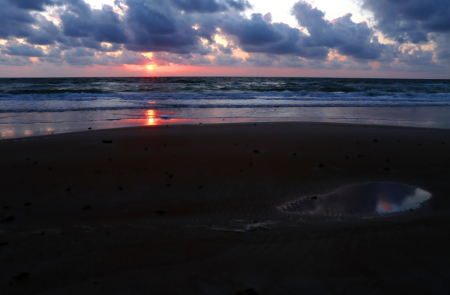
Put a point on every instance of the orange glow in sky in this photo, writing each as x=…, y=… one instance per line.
x=149, y=68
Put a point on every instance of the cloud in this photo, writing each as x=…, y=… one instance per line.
x=81, y=57
x=256, y=35
x=6, y=60
x=102, y=25
x=19, y=49
x=410, y=21
x=38, y=5
x=211, y=6
x=14, y=21
x=157, y=26
x=349, y=38
x=184, y=32
x=166, y=59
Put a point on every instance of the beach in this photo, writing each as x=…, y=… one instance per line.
x=195, y=209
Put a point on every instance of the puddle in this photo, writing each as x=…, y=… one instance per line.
x=363, y=199
x=239, y=227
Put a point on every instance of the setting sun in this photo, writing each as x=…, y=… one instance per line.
x=149, y=68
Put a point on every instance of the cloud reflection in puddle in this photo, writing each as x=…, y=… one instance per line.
x=362, y=199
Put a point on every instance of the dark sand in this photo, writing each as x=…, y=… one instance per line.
x=140, y=215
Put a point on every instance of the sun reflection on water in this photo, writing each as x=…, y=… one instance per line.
x=151, y=117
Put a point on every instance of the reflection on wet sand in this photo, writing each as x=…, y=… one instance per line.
x=364, y=199
x=150, y=117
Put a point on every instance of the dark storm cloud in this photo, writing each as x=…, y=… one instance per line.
x=45, y=34
x=82, y=57
x=157, y=26
x=349, y=38
x=165, y=59
x=14, y=22
x=443, y=46
x=259, y=35
x=38, y=5
x=224, y=50
x=14, y=61
x=256, y=35
x=23, y=50
x=410, y=20
x=183, y=32
x=210, y=6
x=102, y=25
x=227, y=60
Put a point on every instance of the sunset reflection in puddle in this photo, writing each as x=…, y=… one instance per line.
x=362, y=199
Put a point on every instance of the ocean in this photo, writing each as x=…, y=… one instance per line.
x=30, y=107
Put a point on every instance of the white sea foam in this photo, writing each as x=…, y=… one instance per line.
x=97, y=102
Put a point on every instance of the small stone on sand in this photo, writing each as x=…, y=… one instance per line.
x=256, y=151
x=314, y=198
x=87, y=207
x=8, y=219
x=247, y=292
x=160, y=212
x=27, y=204
x=21, y=276
x=107, y=141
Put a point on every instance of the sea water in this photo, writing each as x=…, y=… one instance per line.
x=54, y=105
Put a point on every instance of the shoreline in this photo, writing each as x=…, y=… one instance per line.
x=249, y=123
x=31, y=124
x=157, y=209
x=235, y=121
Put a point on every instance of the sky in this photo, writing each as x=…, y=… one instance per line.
x=321, y=38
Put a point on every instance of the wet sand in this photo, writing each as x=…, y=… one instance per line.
x=195, y=210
